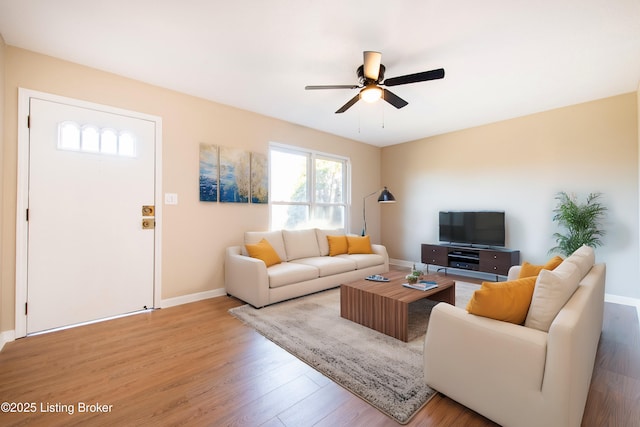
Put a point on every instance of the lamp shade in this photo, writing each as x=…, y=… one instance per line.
x=386, y=197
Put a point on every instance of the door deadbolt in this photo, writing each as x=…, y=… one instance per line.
x=148, y=210
x=148, y=224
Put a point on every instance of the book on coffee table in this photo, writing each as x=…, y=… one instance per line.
x=423, y=285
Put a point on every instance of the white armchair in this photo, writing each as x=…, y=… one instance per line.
x=513, y=374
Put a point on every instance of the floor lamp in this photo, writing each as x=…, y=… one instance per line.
x=385, y=197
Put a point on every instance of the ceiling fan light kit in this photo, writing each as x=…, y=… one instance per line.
x=371, y=77
x=371, y=93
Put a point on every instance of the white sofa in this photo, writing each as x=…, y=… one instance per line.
x=524, y=375
x=306, y=267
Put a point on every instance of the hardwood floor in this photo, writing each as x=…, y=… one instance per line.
x=197, y=365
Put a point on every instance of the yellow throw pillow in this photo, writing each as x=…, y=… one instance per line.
x=528, y=270
x=359, y=245
x=264, y=251
x=505, y=301
x=337, y=245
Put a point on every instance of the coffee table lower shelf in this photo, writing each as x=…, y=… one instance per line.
x=384, y=306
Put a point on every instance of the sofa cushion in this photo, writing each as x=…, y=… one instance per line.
x=321, y=235
x=505, y=301
x=584, y=258
x=338, y=245
x=273, y=237
x=328, y=265
x=263, y=251
x=528, y=270
x=359, y=245
x=553, y=289
x=287, y=273
x=300, y=243
x=364, y=260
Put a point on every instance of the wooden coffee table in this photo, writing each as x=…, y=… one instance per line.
x=384, y=306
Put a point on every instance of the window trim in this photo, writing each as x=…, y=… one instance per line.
x=312, y=155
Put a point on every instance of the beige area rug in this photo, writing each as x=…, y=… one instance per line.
x=385, y=372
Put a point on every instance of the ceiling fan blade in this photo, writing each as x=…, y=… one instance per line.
x=331, y=87
x=393, y=99
x=415, y=78
x=372, y=64
x=349, y=104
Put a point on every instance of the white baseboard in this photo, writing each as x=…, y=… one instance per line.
x=400, y=263
x=185, y=299
x=5, y=337
x=617, y=299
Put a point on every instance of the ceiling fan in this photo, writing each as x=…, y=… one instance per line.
x=371, y=77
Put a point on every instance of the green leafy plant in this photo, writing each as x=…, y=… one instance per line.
x=580, y=221
x=414, y=276
x=411, y=278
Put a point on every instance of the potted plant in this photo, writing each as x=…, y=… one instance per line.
x=411, y=279
x=580, y=221
x=414, y=276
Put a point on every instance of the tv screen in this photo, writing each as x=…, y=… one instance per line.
x=474, y=228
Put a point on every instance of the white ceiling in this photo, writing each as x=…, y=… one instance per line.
x=503, y=58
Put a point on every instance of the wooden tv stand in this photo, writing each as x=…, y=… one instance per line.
x=489, y=260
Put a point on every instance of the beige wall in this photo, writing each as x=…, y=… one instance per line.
x=194, y=233
x=518, y=166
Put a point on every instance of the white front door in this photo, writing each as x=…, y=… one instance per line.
x=90, y=174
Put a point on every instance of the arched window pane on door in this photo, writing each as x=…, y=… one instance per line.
x=90, y=139
x=109, y=142
x=69, y=136
x=127, y=145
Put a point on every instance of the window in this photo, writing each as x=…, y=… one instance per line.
x=308, y=189
x=90, y=139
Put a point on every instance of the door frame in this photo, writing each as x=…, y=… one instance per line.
x=22, y=202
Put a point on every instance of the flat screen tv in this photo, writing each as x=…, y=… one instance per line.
x=481, y=228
